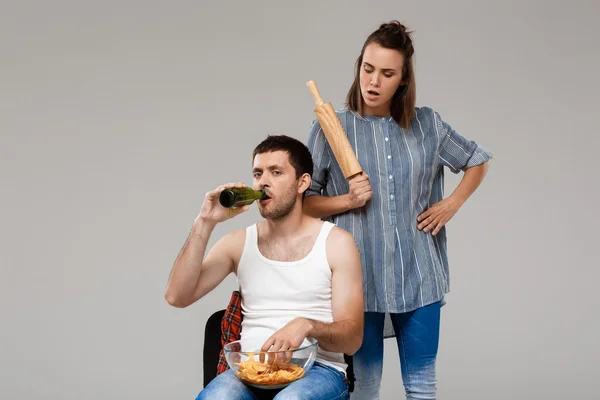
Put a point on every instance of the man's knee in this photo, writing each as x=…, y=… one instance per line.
x=319, y=384
x=223, y=392
x=298, y=395
x=289, y=396
x=225, y=386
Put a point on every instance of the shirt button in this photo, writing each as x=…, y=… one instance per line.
x=391, y=196
x=386, y=139
x=389, y=157
x=391, y=177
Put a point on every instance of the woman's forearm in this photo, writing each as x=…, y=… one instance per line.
x=471, y=180
x=325, y=206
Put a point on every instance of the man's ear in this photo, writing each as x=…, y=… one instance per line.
x=304, y=183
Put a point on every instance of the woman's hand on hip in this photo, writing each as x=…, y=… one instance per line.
x=438, y=215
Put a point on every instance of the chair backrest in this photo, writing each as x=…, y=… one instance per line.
x=212, y=348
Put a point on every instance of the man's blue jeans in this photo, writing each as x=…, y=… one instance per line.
x=321, y=382
x=417, y=334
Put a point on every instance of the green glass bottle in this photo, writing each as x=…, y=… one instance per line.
x=238, y=197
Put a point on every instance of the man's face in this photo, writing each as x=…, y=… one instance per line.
x=273, y=172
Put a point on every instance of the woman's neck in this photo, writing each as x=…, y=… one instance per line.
x=381, y=111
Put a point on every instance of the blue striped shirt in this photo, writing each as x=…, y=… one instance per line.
x=403, y=268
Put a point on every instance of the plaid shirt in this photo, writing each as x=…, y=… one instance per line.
x=231, y=326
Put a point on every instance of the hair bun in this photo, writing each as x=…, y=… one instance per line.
x=394, y=25
x=393, y=35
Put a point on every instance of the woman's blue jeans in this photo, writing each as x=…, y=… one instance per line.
x=417, y=334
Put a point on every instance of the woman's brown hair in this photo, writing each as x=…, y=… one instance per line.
x=391, y=35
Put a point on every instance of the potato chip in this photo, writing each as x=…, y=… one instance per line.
x=268, y=373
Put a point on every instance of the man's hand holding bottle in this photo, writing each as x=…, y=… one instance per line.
x=213, y=212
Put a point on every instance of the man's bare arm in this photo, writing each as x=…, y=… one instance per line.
x=192, y=275
x=345, y=333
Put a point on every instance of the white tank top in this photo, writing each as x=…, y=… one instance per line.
x=276, y=292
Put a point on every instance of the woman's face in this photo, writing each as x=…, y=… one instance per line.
x=380, y=77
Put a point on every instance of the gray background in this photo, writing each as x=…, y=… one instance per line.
x=117, y=117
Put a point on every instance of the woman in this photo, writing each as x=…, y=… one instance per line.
x=395, y=209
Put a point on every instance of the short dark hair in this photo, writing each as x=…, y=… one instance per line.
x=299, y=155
x=391, y=35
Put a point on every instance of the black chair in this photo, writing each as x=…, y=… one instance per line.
x=212, y=349
x=212, y=346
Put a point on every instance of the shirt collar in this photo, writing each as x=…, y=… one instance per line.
x=389, y=118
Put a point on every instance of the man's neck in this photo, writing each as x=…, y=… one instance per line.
x=287, y=227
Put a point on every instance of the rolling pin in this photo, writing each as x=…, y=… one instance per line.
x=335, y=134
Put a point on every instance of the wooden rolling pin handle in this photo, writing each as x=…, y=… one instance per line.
x=312, y=86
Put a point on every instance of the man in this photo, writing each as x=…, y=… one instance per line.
x=299, y=277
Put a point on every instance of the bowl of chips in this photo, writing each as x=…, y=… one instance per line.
x=269, y=369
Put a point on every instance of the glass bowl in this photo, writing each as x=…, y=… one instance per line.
x=269, y=369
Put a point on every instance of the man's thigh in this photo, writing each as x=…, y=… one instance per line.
x=320, y=383
x=226, y=386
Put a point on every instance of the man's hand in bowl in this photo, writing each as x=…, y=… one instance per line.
x=289, y=337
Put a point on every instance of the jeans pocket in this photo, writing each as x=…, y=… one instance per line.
x=335, y=370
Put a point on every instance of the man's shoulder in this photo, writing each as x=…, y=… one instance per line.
x=234, y=243
x=341, y=249
x=235, y=239
x=335, y=237
x=339, y=239
x=237, y=233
